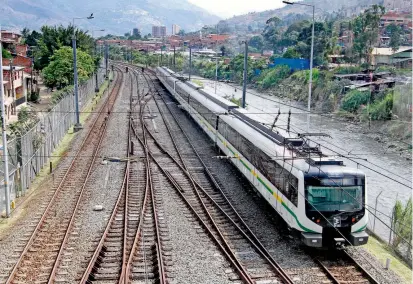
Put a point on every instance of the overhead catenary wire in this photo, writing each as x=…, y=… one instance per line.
x=342, y=189
x=350, y=243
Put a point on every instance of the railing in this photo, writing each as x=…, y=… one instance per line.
x=29, y=152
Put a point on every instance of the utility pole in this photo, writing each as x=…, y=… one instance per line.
x=216, y=66
x=4, y=136
x=190, y=62
x=174, y=60
x=106, y=59
x=310, y=83
x=13, y=93
x=77, y=125
x=244, y=86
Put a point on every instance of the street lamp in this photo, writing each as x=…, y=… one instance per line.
x=77, y=126
x=94, y=55
x=310, y=84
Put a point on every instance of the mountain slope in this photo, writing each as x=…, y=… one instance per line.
x=255, y=21
x=115, y=16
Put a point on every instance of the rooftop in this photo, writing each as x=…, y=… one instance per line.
x=389, y=51
x=17, y=68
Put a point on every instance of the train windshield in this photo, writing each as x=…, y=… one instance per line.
x=332, y=195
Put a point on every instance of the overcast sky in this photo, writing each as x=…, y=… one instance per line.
x=228, y=8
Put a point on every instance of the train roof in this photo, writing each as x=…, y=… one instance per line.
x=206, y=102
x=224, y=103
x=286, y=148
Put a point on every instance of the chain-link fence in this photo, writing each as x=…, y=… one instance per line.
x=402, y=102
x=384, y=227
x=29, y=152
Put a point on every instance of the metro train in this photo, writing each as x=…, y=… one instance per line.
x=315, y=194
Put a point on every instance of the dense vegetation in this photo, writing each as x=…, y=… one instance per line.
x=51, y=49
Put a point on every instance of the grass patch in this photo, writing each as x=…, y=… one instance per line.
x=198, y=82
x=381, y=252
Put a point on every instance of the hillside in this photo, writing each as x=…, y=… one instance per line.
x=115, y=16
x=255, y=21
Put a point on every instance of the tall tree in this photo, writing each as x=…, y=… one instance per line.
x=394, y=31
x=272, y=33
x=256, y=42
x=366, y=31
x=59, y=72
x=53, y=38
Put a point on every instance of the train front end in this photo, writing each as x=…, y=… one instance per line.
x=335, y=199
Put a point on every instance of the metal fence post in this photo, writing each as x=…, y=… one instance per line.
x=375, y=210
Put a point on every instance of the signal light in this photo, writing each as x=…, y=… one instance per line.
x=353, y=219
x=318, y=221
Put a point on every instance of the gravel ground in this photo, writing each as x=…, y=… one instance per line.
x=15, y=232
x=374, y=266
x=191, y=248
x=261, y=218
x=102, y=189
x=195, y=257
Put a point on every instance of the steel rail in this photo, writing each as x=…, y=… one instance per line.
x=54, y=197
x=149, y=191
x=251, y=237
x=180, y=191
x=122, y=194
x=115, y=92
x=184, y=168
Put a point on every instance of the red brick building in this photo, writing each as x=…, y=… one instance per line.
x=22, y=61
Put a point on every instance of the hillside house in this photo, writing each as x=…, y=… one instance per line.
x=386, y=56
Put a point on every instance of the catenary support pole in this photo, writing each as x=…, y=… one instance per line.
x=4, y=136
x=244, y=86
x=216, y=66
x=77, y=126
x=310, y=84
x=174, y=60
x=190, y=62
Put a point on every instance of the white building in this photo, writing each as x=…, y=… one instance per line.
x=175, y=29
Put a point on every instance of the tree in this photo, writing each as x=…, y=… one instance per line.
x=53, y=38
x=271, y=31
x=5, y=53
x=322, y=42
x=394, y=31
x=181, y=32
x=291, y=53
x=256, y=42
x=402, y=222
x=222, y=49
x=59, y=72
x=366, y=31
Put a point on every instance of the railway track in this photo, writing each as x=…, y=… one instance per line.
x=341, y=268
x=44, y=247
x=176, y=158
x=130, y=249
x=201, y=193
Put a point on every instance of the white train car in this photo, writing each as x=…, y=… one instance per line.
x=316, y=195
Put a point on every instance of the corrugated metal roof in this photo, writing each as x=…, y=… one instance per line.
x=389, y=51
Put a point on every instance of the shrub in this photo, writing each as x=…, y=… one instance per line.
x=354, y=99
x=347, y=70
x=382, y=110
x=271, y=77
